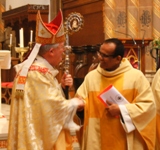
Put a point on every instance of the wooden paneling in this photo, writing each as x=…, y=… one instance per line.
x=88, y=37
x=92, y=32
x=24, y=17
x=28, y=12
x=129, y=45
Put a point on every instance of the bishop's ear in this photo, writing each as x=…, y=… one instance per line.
x=51, y=50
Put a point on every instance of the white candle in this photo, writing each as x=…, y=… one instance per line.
x=31, y=36
x=21, y=37
x=10, y=42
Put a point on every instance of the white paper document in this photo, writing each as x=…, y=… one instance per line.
x=113, y=95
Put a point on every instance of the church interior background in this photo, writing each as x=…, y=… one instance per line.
x=135, y=22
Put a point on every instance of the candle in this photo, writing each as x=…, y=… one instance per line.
x=10, y=42
x=31, y=36
x=21, y=37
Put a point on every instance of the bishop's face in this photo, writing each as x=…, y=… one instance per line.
x=58, y=53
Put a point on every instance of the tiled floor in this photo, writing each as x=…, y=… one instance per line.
x=5, y=110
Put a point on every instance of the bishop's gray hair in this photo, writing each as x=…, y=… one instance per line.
x=44, y=48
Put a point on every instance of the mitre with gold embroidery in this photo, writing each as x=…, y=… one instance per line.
x=49, y=33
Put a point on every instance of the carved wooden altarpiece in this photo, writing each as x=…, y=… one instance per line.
x=22, y=17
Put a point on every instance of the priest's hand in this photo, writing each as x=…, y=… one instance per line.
x=66, y=80
x=113, y=109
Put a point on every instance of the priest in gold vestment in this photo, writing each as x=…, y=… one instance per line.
x=40, y=116
x=130, y=126
x=156, y=93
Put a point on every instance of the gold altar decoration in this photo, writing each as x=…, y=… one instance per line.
x=155, y=51
x=31, y=45
x=10, y=47
x=21, y=51
x=155, y=44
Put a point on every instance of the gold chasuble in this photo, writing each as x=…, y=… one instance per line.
x=156, y=92
x=39, y=119
x=104, y=132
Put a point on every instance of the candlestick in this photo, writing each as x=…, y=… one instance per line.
x=10, y=42
x=21, y=51
x=21, y=37
x=30, y=45
x=10, y=47
x=31, y=36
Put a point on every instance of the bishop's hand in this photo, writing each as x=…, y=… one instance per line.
x=66, y=80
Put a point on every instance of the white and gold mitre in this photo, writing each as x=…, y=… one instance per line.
x=50, y=33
